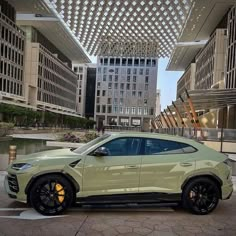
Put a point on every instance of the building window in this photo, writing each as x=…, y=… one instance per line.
x=80, y=69
x=109, y=101
x=141, y=71
x=98, y=99
x=145, y=102
x=134, y=93
x=140, y=94
x=75, y=69
x=135, y=71
x=110, y=77
x=128, y=86
x=103, y=93
x=145, y=111
x=115, y=101
x=98, y=85
x=116, y=70
x=124, y=61
x=122, y=86
x=134, y=79
x=146, y=86
x=133, y=110
x=134, y=86
x=103, y=108
x=128, y=78
x=98, y=93
x=146, y=79
x=109, y=109
x=117, y=62
x=121, y=101
x=130, y=61
x=98, y=109
x=115, y=109
x=104, y=77
x=109, y=85
x=99, y=70
x=104, y=70
x=152, y=111
x=147, y=71
x=116, y=85
x=127, y=110
x=116, y=78
x=128, y=71
x=121, y=110
x=140, y=111
x=121, y=93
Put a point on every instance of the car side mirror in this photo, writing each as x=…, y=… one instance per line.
x=101, y=151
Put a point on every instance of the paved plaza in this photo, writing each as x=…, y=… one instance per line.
x=19, y=219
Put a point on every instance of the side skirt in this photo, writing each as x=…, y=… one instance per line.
x=142, y=198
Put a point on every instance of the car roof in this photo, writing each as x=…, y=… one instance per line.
x=152, y=135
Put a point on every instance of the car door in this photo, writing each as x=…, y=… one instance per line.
x=116, y=173
x=164, y=165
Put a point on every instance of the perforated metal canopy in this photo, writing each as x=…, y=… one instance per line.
x=139, y=27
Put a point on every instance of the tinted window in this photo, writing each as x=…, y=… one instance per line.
x=159, y=146
x=187, y=148
x=123, y=147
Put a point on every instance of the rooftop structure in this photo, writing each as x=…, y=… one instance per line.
x=204, y=16
x=45, y=19
x=145, y=25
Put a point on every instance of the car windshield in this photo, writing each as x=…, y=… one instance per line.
x=88, y=145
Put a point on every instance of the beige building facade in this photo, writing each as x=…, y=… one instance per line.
x=12, y=40
x=187, y=80
x=125, y=91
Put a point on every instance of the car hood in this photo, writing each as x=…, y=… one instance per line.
x=58, y=154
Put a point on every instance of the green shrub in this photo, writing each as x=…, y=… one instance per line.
x=5, y=127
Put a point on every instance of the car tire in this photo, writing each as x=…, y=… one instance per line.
x=201, y=196
x=51, y=194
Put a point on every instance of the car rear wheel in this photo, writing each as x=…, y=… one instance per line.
x=201, y=196
x=51, y=194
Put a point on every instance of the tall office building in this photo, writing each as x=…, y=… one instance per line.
x=125, y=91
x=90, y=91
x=210, y=62
x=158, y=102
x=50, y=83
x=85, y=93
x=231, y=50
x=12, y=40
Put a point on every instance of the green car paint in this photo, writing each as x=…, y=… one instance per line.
x=112, y=175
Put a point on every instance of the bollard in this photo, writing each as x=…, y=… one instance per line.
x=12, y=154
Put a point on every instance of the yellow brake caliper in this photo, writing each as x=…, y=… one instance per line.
x=61, y=192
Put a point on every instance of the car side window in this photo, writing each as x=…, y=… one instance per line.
x=160, y=146
x=123, y=147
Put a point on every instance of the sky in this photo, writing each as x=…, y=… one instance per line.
x=167, y=83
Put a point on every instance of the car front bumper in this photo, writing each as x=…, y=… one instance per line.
x=227, y=190
x=13, y=189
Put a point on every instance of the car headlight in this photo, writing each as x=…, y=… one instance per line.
x=21, y=166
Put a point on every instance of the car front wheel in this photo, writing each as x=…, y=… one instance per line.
x=201, y=196
x=51, y=194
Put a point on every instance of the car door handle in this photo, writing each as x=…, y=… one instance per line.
x=185, y=164
x=132, y=167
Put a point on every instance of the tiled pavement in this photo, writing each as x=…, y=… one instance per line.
x=124, y=221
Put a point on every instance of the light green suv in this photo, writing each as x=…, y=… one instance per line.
x=123, y=168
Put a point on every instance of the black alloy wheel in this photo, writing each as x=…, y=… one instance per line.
x=201, y=196
x=51, y=194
